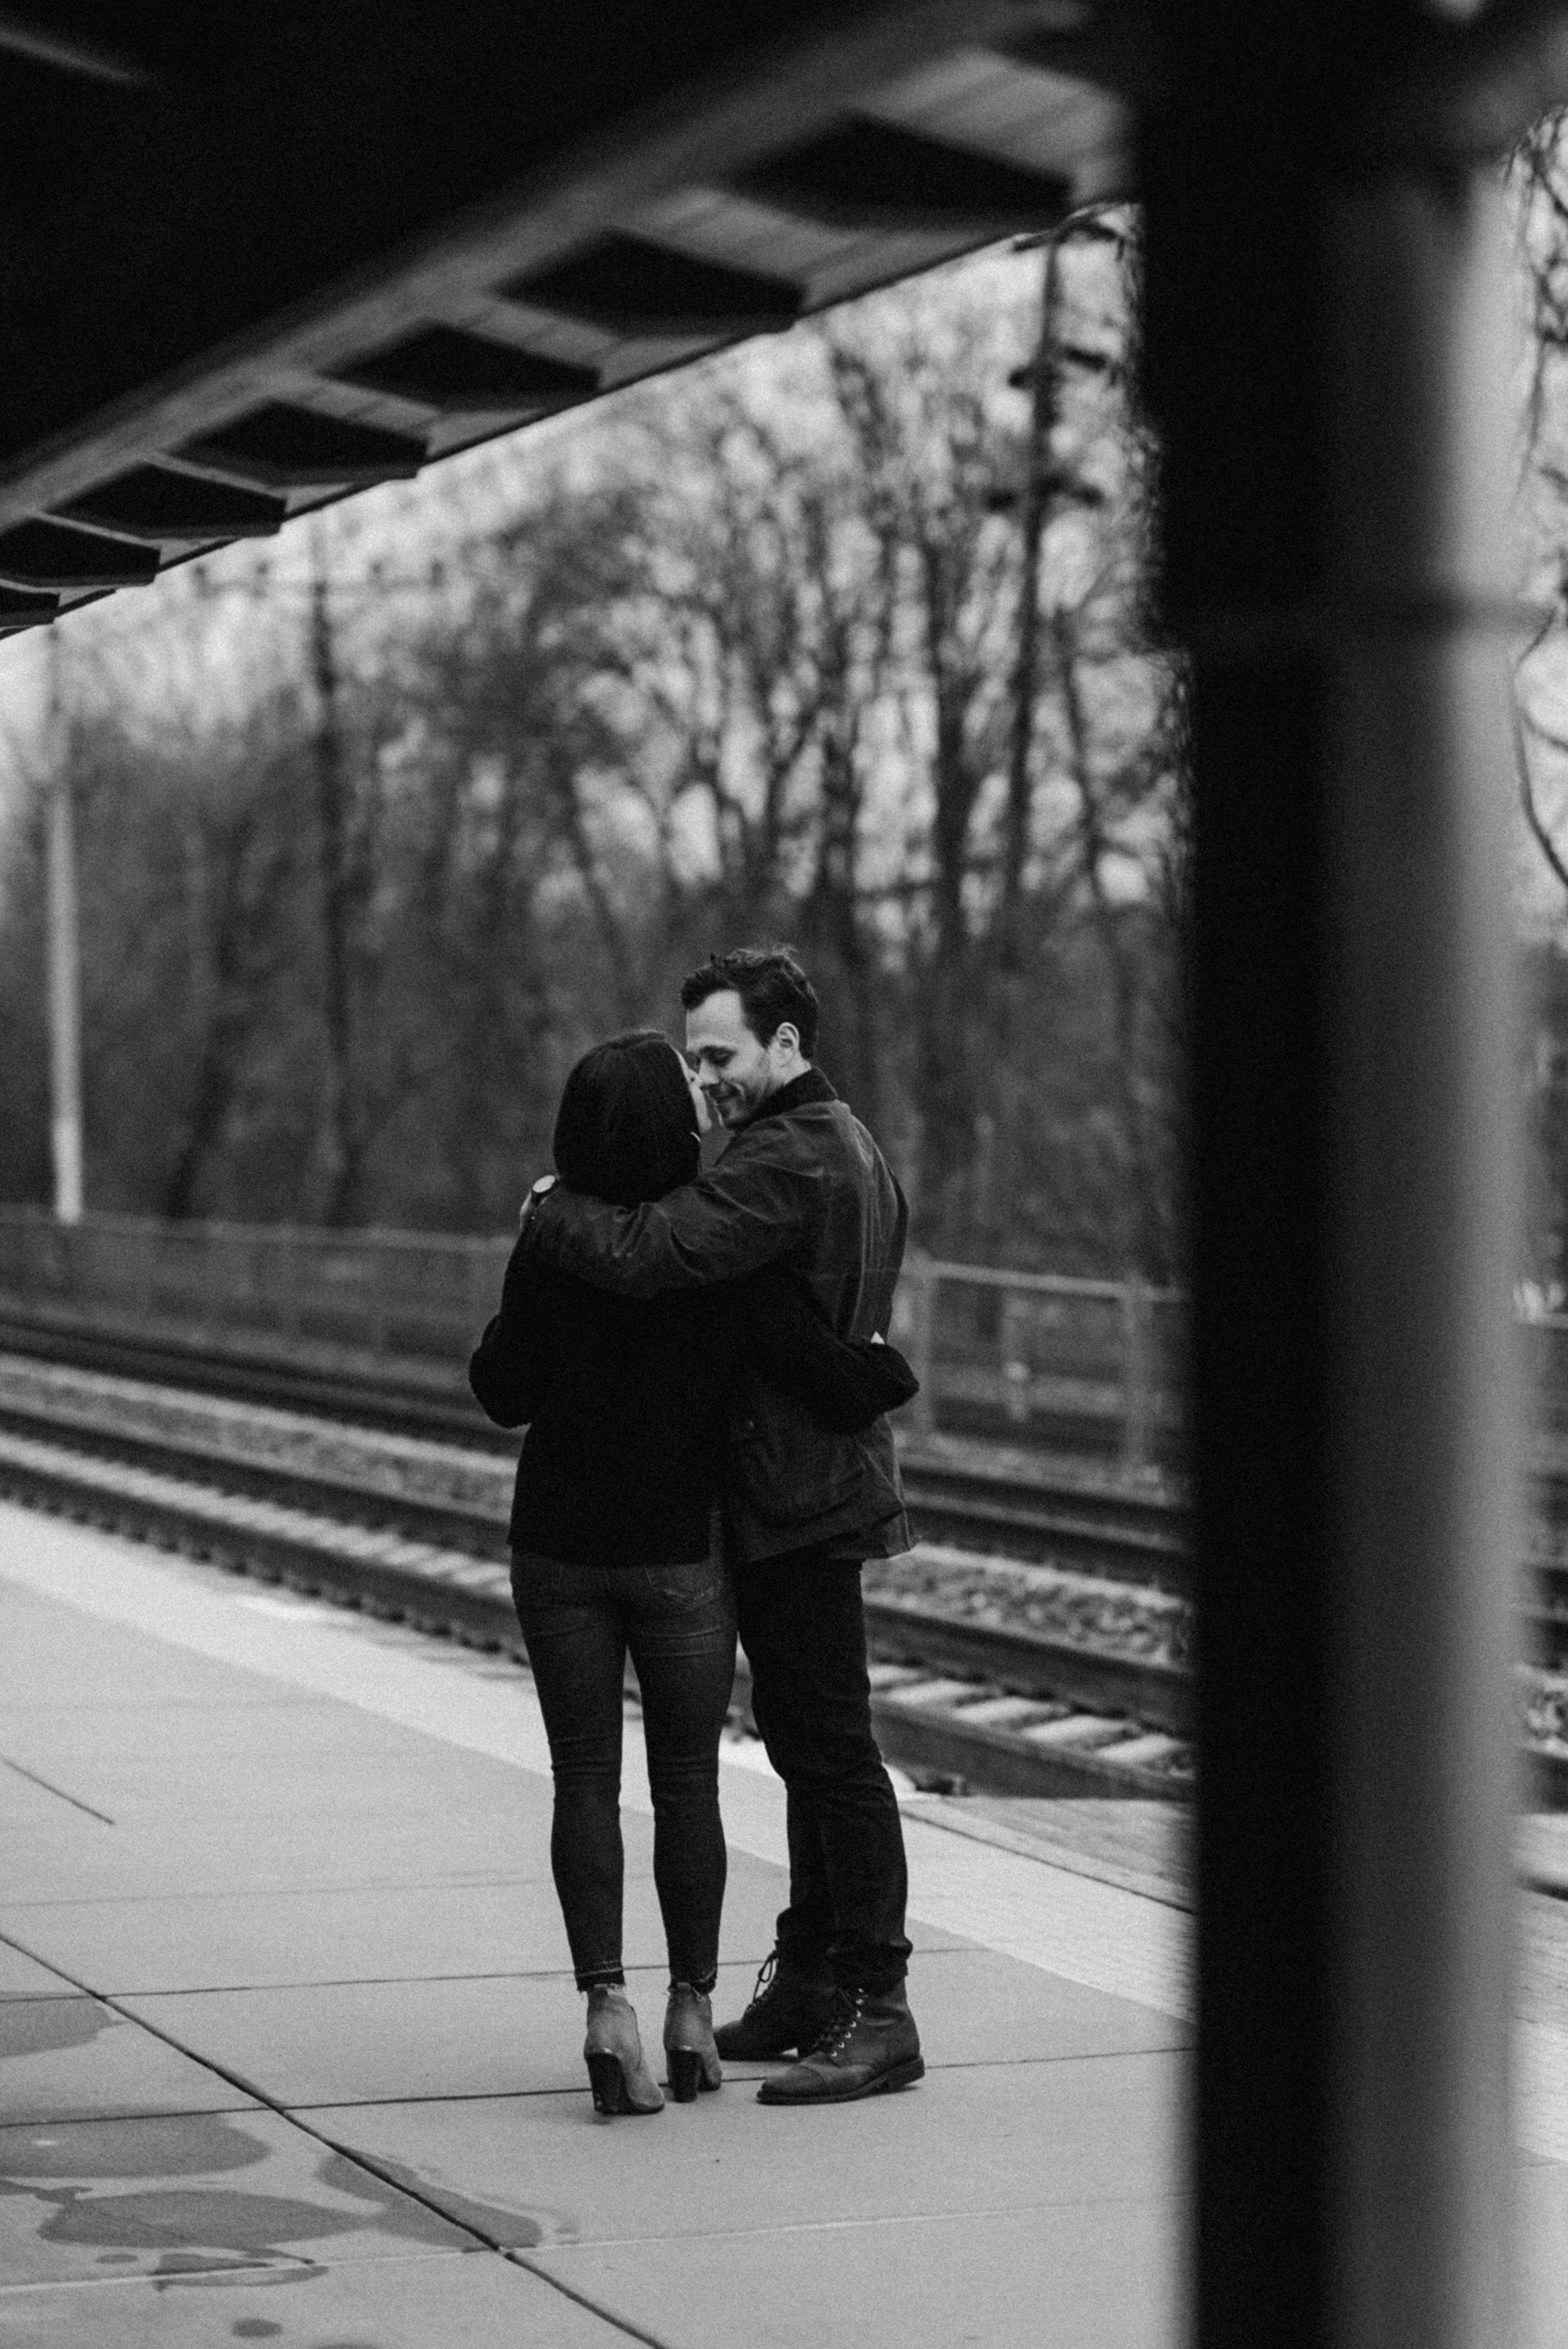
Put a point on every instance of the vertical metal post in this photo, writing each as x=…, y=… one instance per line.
x=1136, y=1377
x=1014, y=1351
x=917, y=1286
x=1038, y=378
x=64, y=960
x=1428, y=1411
x=1330, y=353
x=339, y=1120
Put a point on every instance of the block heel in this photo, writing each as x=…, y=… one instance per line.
x=609, y=2083
x=619, y=2078
x=688, y=2075
x=691, y=2059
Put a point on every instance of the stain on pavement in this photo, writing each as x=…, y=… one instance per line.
x=78, y=2175
x=44, y=2026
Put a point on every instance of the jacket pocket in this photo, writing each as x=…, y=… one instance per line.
x=787, y=1468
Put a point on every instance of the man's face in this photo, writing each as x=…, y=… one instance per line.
x=736, y=1072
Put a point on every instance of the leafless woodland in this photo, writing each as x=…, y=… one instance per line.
x=845, y=638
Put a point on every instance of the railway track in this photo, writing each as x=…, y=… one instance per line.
x=1035, y=1642
x=975, y=1495
x=1007, y=1673
x=1549, y=1571
x=963, y=1492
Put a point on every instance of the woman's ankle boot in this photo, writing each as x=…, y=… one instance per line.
x=612, y=2053
x=692, y=2059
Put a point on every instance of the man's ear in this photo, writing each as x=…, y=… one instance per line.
x=786, y=1035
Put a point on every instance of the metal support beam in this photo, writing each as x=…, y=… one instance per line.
x=296, y=448
x=1330, y=344
x=159, y=506
x=1426, y=1410
x=467, y=374
x=867, y=175
x=629, y=285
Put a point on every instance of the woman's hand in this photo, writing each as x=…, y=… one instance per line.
x=704, y=1114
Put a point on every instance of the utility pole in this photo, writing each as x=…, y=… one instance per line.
x=1038, y=378
x=1041, y=378
x=332, y=834
x=65, y=954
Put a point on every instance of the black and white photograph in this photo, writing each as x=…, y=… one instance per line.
x=783, y=1174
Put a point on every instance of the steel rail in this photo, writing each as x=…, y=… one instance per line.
x=1008, y=1711
x=1015, y=1702
x=1134, y=1536
x=1020, y=1662
x=1039, y=1517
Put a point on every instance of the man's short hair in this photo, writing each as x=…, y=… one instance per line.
x=771, y=987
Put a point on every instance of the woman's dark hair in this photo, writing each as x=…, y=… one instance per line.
x=625, y=1130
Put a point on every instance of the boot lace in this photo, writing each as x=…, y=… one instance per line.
x=765, y=1978
x=841, y=2023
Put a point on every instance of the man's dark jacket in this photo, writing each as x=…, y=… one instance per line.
x=803, y=1185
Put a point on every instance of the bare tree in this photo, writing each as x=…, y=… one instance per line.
x=759, y=652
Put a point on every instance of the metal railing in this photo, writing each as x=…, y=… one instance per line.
x=1095, y=1364
x=385, y=1291
x=1085, y=1365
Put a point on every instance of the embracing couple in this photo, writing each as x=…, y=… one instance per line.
x=700, y=1361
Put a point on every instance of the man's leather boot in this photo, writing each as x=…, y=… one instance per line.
x=789, y=2010
x=869, y=2045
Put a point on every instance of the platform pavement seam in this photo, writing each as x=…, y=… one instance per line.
x=69, y=1981
x=50, y=1788
x=361, y=2160
x=584, y=2301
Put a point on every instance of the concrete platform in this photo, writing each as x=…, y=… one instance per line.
x=290, y=2051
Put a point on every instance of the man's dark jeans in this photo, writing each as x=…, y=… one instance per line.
x=679, y=1624
x=802, y=1628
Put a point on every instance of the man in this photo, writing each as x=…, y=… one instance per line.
x=801, y=1180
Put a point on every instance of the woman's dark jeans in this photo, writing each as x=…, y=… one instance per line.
x=678, y=1623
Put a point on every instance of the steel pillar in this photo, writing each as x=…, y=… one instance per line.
x=1330, y=348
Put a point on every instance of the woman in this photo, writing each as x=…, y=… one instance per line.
x=613, y=1541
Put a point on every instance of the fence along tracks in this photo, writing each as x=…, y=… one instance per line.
x=1009, y=1674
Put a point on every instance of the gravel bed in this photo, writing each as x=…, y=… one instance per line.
x=1003, y=1595
x=408, y=1468
x=1084, y=1611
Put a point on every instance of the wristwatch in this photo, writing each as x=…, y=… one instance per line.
x=538, y=1189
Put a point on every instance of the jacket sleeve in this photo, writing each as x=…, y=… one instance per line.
x=750, y=1209
x=776, y=1334
x=510, y=1369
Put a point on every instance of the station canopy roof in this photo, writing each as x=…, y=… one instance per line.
x=258, y=257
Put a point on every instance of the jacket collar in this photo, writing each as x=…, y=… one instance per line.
x=798, y=1094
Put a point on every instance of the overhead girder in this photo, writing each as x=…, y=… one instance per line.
x=290, y=253
x=287, y=253
x=283, y=447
